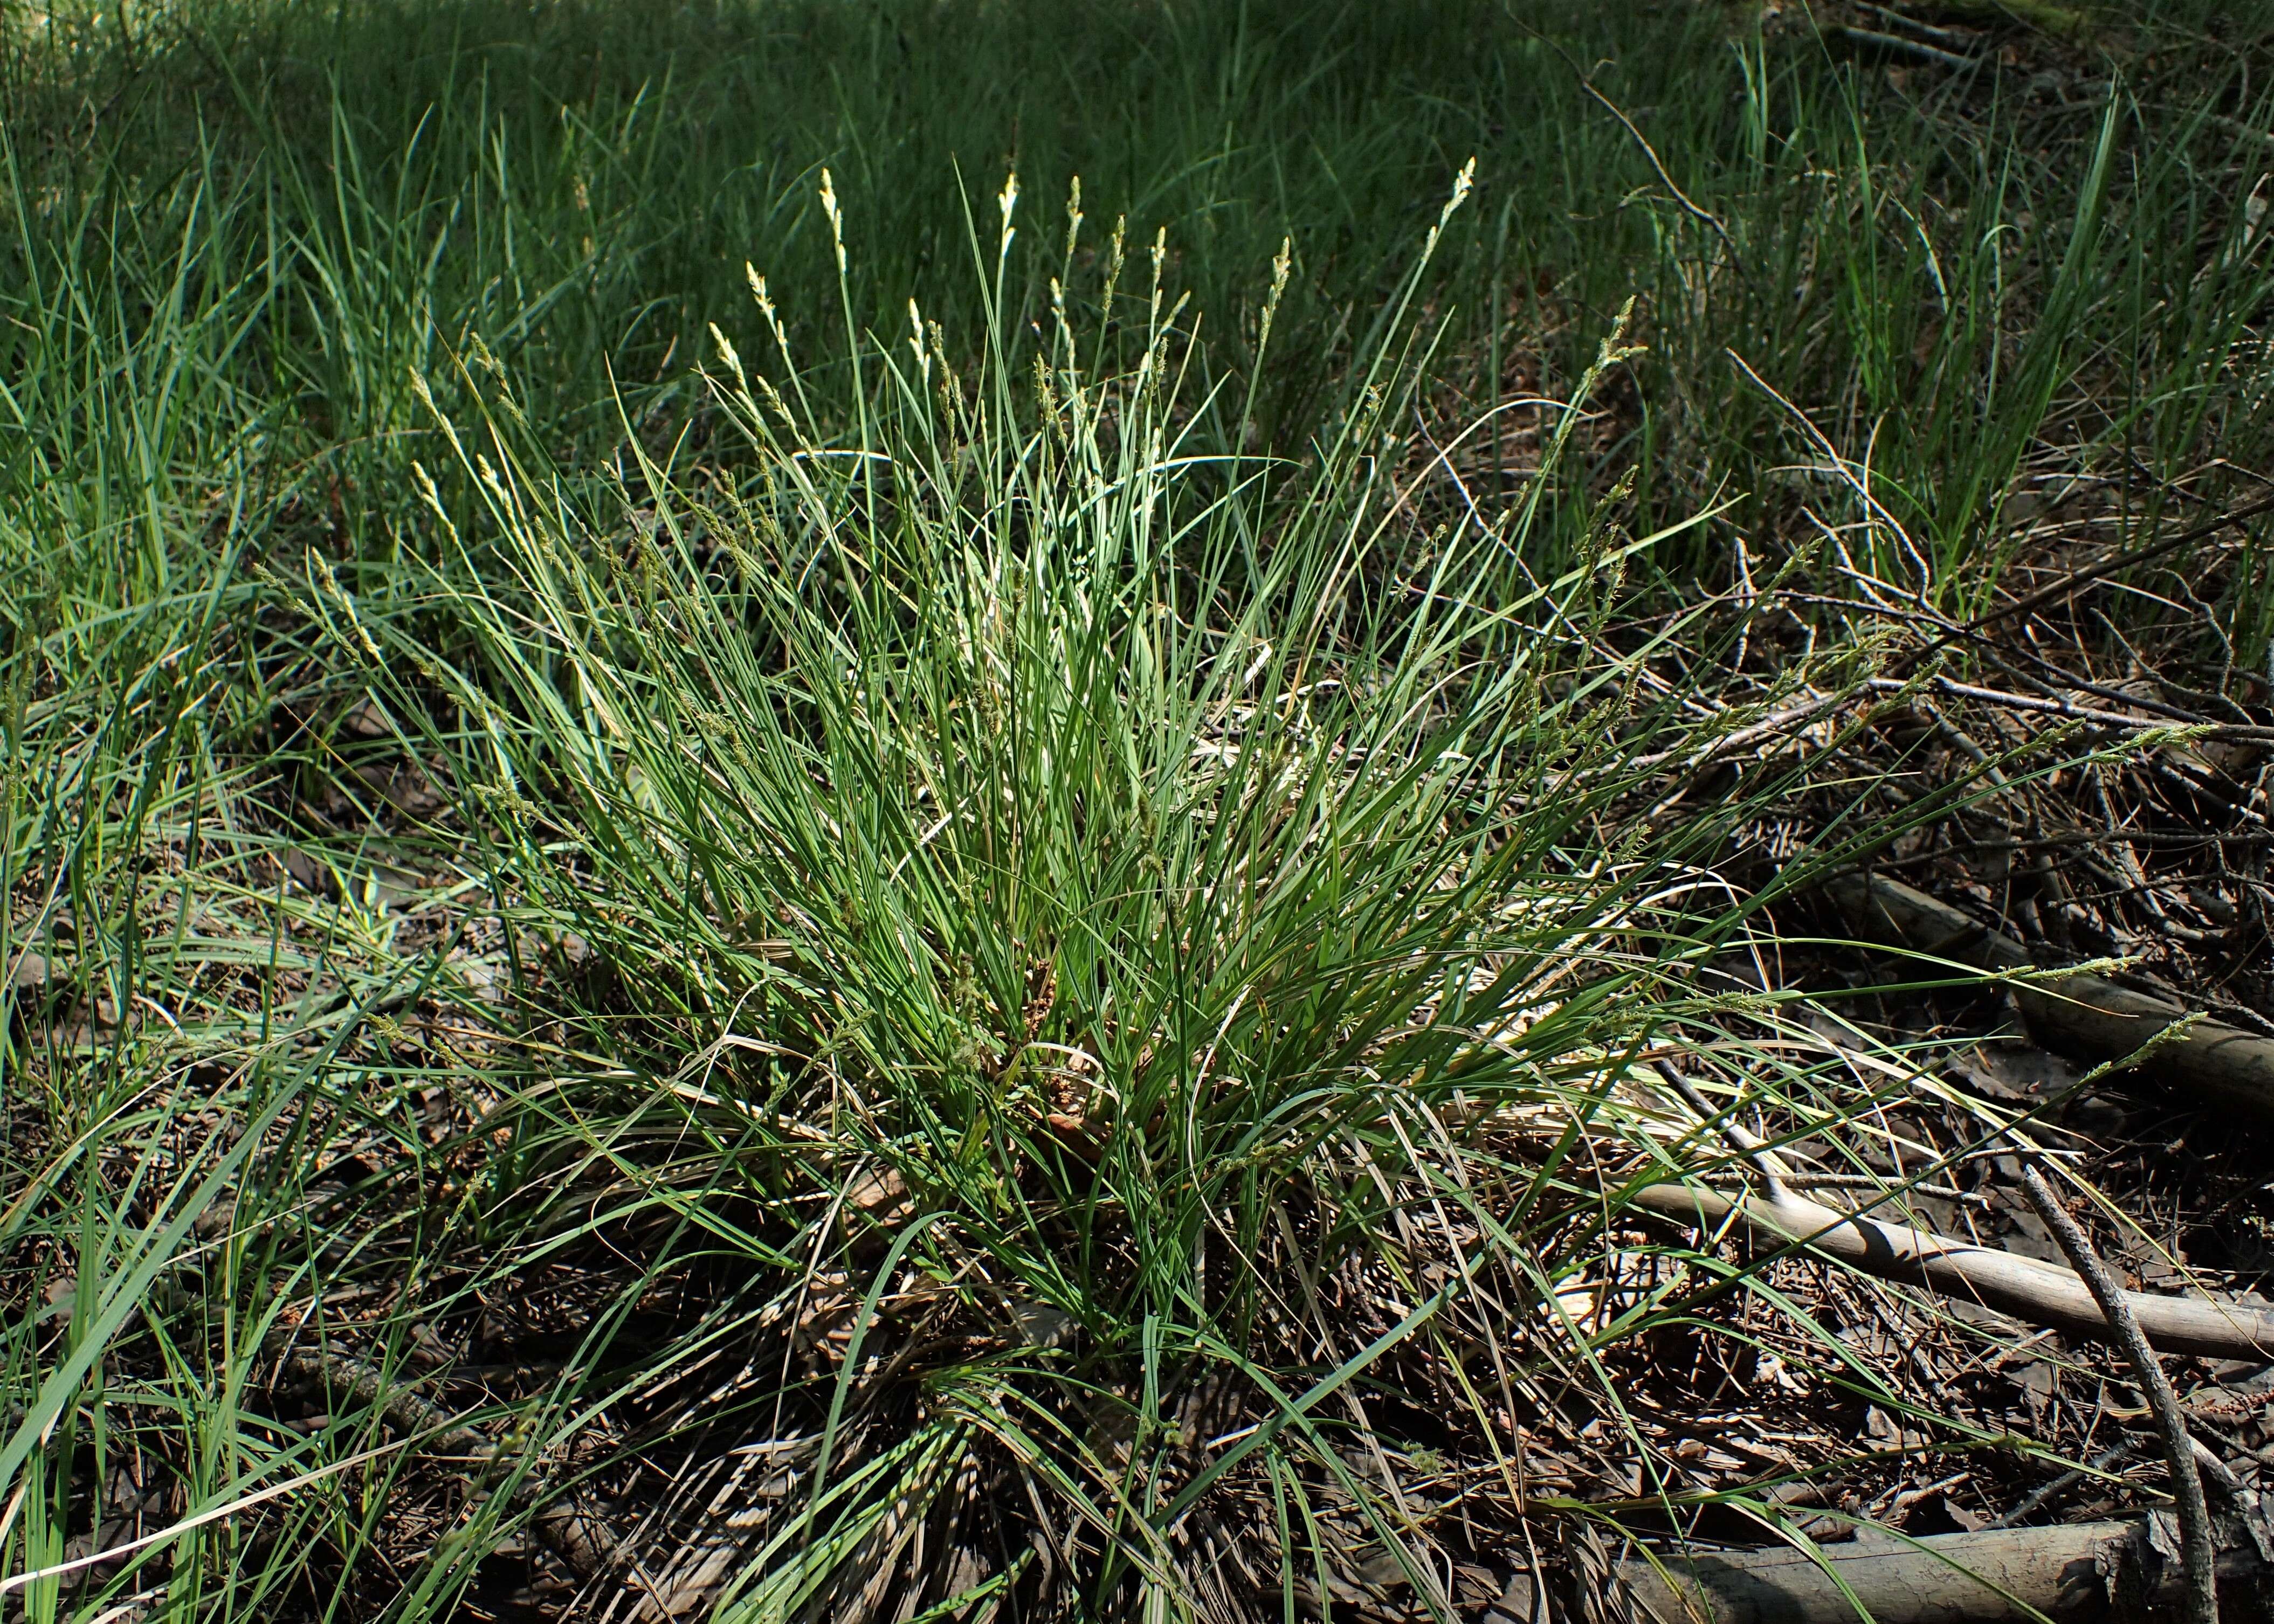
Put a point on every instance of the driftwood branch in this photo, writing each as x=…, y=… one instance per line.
x=2039, y=1293
x=2081, y=1013
x=2122, y=1571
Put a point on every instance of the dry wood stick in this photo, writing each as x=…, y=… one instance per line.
x=1917, y=51
x=2121, y=561
x=1744, y=1143
x=2068, y=710
x=2198, y=1546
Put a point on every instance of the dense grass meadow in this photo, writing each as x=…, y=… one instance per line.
x=927, y=809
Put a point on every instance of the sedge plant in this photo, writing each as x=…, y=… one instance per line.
x=1140, y=965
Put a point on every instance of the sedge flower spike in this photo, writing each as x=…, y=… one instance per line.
x=1008, y=201
x=1463, y=183
x=729, y=356
x=836, y=217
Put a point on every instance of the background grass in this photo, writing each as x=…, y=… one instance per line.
x=373, y=549
x=235, y=229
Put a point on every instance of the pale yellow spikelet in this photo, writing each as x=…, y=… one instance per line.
x=1073, y=215
x=767, y=306
x=916, y=340
x=1160, y=259
x=1008, y=202
x=1463, y=183
x=489, y=477
x=441, y=419
x=432, y=498
x=584, y=200
x=1280, y=266
x=728, y=356
x=338, y=594
x=951, y=386
x=836, y=217
x=772, y=397
x=1615, y=348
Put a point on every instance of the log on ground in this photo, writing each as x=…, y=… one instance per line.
x=2120, y=1572
x=2079, y=1013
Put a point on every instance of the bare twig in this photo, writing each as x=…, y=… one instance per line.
x=1867, y=1181
x=2198, y=1544
x=2060, y=1485
x=1744, y=1143
x=1918, y=28
x=2068, y=711
x=2123, y=560
x=1696, y=210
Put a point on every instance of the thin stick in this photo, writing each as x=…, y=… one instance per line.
x=1916, y=50
x=2062, y=1486
x=2123, y=560
x=2068, y=711
x=1744, y=1143
x=2198, y=1547
x=1696, y=210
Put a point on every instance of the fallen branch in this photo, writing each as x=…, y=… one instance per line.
x=2043, y=1294
x=2198, y=1541
x=2124, y=560
x=2118, y=1571
x=2080, y=1012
